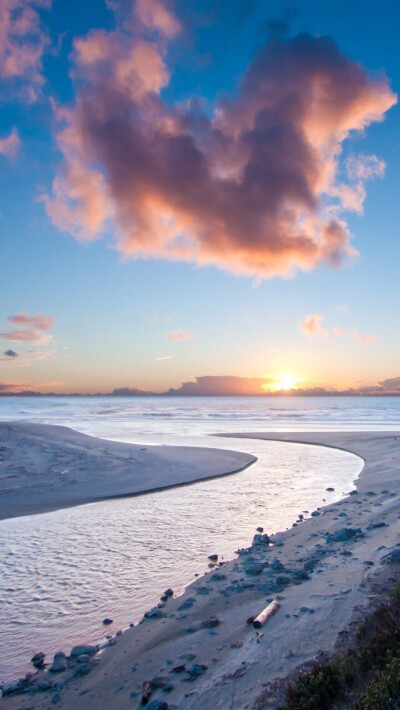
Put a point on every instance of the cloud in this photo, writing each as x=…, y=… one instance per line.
x=338, y=332
x=9, y=145
x=159, y=358
x=181, y=335
x=312, y=326
x=342, y=308
x=252, y=186
x=40, y=321
x=361, y=338
x=23, y=41
x=221, y=385
x=26, y=335
x=10, y=353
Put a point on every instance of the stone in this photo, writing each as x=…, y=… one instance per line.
x=315, y=513
x=210, y=623
x=213, y=557
x=260, y=539
x=154, y=613
x=59, y=663
x=38, y=660
x=157, y=705
x=86, y=650
x=168, y=593
x=44, y=684
x=330, y=488
x=195, y=671
x=344, y=534
x=260, y=529
x=187, y=604
x=393, y=556
x=107, y=621
x=159, y=681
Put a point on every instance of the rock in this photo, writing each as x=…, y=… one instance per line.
x=372, y=526
x=159, y=681
x=276, y=565
x=344, y=534
x=217, y=577
x=213, y=557
x=44, y=684
x=83, y=650
x=210, y=623
x=187, y=603
x=38, y=660
x=154, y=613
x=393, y=556
x=168, y=688
x=260, y=539
x=82, y=668
x=195, y=671
x=260, y=529
x=106, y=622
x=179, y=668
x=158, y=705
x=254, y=568
x=59, y=663
x=147, y=692
x=10, y=688
x=329, y=489
x=168, y=593
x=315, y=513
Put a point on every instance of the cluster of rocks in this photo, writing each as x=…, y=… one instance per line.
x=80, y=661
x=184, y=669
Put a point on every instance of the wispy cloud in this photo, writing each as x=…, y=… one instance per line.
x=181, y=335
x=361, y=337
x=26, y=335
x=159, y=358
x=40, y=321
x=339, y=332
x=342, y=308
x=254, y=188
x=23, y=41
x=312, y=326
x=9, y=145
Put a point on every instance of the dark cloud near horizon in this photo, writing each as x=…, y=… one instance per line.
x=10, y=353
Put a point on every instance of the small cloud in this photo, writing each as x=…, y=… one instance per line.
x=40, y=321
x=9, y=145
x=181, y=335
x=342, y=308
x=26, y=336
x=10, y=353
x=361, y=338
x=312, y=326
x=159, y=358
x=364, y=167
x=338, y=332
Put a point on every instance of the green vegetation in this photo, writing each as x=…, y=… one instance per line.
x=366, y=677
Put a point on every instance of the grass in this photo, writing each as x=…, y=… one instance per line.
x=366, y=677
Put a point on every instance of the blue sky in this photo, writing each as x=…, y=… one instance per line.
x=153, y=323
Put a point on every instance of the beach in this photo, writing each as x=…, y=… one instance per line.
x=322, y=571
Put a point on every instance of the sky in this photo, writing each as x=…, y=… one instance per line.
x=199, y=196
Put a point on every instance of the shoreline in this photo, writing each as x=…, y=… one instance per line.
x=239, y=668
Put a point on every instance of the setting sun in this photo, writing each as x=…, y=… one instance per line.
x=285, y=382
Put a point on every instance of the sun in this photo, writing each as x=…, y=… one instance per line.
x=285, y=382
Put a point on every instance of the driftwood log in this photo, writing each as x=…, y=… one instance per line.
x=265, y=614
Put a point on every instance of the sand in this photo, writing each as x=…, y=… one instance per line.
x=45, y=468
x=323, y=585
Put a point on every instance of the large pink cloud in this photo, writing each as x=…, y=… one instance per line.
x=253, y=189
x=23, y=41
